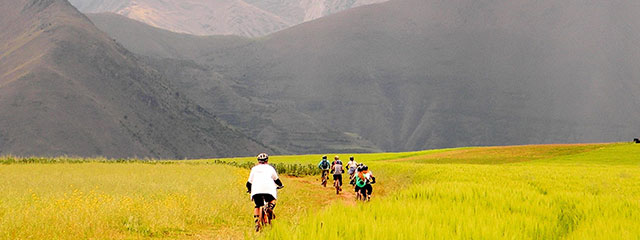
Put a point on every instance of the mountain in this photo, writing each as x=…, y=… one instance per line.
x=416, y=74
x=66, y=88
x=252, y=18
x=272, y=121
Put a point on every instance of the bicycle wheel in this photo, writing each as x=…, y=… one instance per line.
x=267, y=217
x=324, y=180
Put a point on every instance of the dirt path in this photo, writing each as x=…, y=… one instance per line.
x=324, y=196
x=347, y=195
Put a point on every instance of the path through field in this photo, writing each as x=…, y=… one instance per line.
x=347, y=195
x=301, y=195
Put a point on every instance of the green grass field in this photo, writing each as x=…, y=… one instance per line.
x=589, y=191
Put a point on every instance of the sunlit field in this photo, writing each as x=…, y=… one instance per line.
x=519, y=192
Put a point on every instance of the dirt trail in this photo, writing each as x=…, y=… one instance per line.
x=310, y=183
x=347, y=195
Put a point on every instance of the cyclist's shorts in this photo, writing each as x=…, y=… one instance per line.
x=260, y=198
x=366, y=190
x=337, y=177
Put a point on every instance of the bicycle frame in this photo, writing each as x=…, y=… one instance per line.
x=264, y=218
x=336, y=184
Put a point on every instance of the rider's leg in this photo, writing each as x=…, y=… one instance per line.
x=271, y=204
x=369, y=189
x=256, y=215
x=259, y=202
x=363, y=192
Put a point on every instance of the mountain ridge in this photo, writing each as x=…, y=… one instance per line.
x=68, y=89
x=249, y=18
x=410, y=74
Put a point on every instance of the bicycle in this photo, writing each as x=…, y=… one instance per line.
x=324, y=178
x=364, y=197
x=336, y=184
x=266, y=215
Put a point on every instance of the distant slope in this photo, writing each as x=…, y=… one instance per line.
x=156, y=42
x=426, y=74
x=272, y=121
x=68, y=89
x=416, y=74
x=250, y=18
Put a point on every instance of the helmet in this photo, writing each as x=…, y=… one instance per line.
x=360, y=167
x=365, y=168
x=263, y=157
x=324, y=157
x=351, y=158
x=336, y=157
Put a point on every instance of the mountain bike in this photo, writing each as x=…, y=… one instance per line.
x=352, y=180
x=336, y=184
x=364, y=196
x=266, y=215
x=324, y=178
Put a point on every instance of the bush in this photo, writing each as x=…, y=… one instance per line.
x=291, y=169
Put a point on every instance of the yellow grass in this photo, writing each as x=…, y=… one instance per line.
x=517, y=192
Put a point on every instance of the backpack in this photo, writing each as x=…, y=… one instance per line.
x=360, y=182
x=324, y=164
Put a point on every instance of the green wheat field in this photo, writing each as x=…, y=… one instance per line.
x=585, y=191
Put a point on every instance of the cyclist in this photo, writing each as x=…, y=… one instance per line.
x=337, y=171
x=351, y=166
x=363, y=181
x=336, y=160
x=262, y=184
x=324, y=165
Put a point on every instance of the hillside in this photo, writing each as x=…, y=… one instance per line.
x=410, y=74
x=68, y=89
x=251, y=18
x=272, y=121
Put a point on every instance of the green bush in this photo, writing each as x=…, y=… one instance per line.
x=291, y=169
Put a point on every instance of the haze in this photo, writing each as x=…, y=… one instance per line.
x=314, y=76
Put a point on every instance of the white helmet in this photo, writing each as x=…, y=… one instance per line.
x=263, y=157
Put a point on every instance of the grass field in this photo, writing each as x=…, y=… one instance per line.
x=589, y=191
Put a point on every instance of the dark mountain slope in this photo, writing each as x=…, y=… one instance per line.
x=276, y=123
x=155, y=42
x=419, y=74
x=413, y=74
x=66, y=88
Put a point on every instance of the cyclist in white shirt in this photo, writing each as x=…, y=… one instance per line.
x=263, y=182
x=351, y=168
